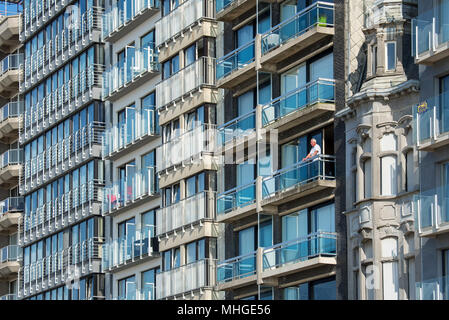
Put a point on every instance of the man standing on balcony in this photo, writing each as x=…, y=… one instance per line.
x=313, y=154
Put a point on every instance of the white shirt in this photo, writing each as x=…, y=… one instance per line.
x=315, y=148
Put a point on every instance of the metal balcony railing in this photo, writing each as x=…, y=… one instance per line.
x=144, y=123
x=11, y=62
x=122, y=73
x=187, y=14
x=59, y=49
x=301, y=249
x=11, y=204
x=432, y=207
x=237, y=197
x=134, y=246
x=320, y=167
x=12, y=109
x=57, y=159
x=239, y=127
x=318, y=14
x=186, y=278
x=236, y=60
x=319, y=91
x=53, y=270
x=10, y=253
x=236, y=268
x=190, y=78
x=433, y=289
x=431, y=118
x=187, y=211
x=11, y=157
x=11, y=296
x=134, y=187
x=186, y=147
x=118, y=16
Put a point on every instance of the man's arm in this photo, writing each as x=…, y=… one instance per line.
x=310, y=156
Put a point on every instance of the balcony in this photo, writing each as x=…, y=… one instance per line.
x=128, y=192
x=11, y=163
x=10, y=75
x=237, y=272
x=125, y=76
x=432, y=211
x=430, y=37
x=185, y=213
x=306, y=28
x=237, y=203
x=129, y=251
x=9, y=33
x=10, y=212
x=63, y=156
x=10, y=262
x=300, y=106
x=62, y=211
x=7, y=297
x=185, y=280
x=132, y=293
x=66, y=44
x=187, y=149
x=299, y=180
x=433, y=289
x=300, y=254
x=431, y=123
x=63, y=101
x=135, y=132
x=119, y=20
x=54, y=270
x=10, y=118
x=190, y=21
x=236, y=132
x=189, y=87
x=237, y=66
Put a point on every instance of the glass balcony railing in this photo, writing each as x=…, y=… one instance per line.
x=143, y=123
x=319, y=91
x=132, y=293
x=52, y=270
x=11, y=204
x=186, y=147
x=236, y=268
x=320, y=167
x=186, y=278
x=120, y=15
x=190, y=78
x=135, y=245
x=301, y=249
x=236, y=198
x=239, y=127
x=62, y=101
x=10, y=253
x=122, y=73
x=11, y=110
x=10, y=62
x=187, y=211
x=431, y=118
x=51, y=53
x=135, y=186
x=236, y=60
x=429, y=32
x=61, y=210
x=432, y=207
x=11, y=296
x=182, y=17
x=433, y=289
x=318, y=14
x=50, y=162
x=11, y=157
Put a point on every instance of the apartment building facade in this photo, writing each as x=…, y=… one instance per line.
x=11, y=202
x=430, y=119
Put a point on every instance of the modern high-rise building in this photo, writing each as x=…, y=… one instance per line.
x=430, y=38
x=11, y=204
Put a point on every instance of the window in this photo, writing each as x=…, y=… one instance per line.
x=443, y=115
x=390, y=58
x=189, y=55
x=195, y=184
x=390, y=271
x=127, y=288
x=195, y=251
x=323, y=289
x=367, y=178
x=149, y=284
x=388, y=176
x=170, y=67
x=410, y=169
